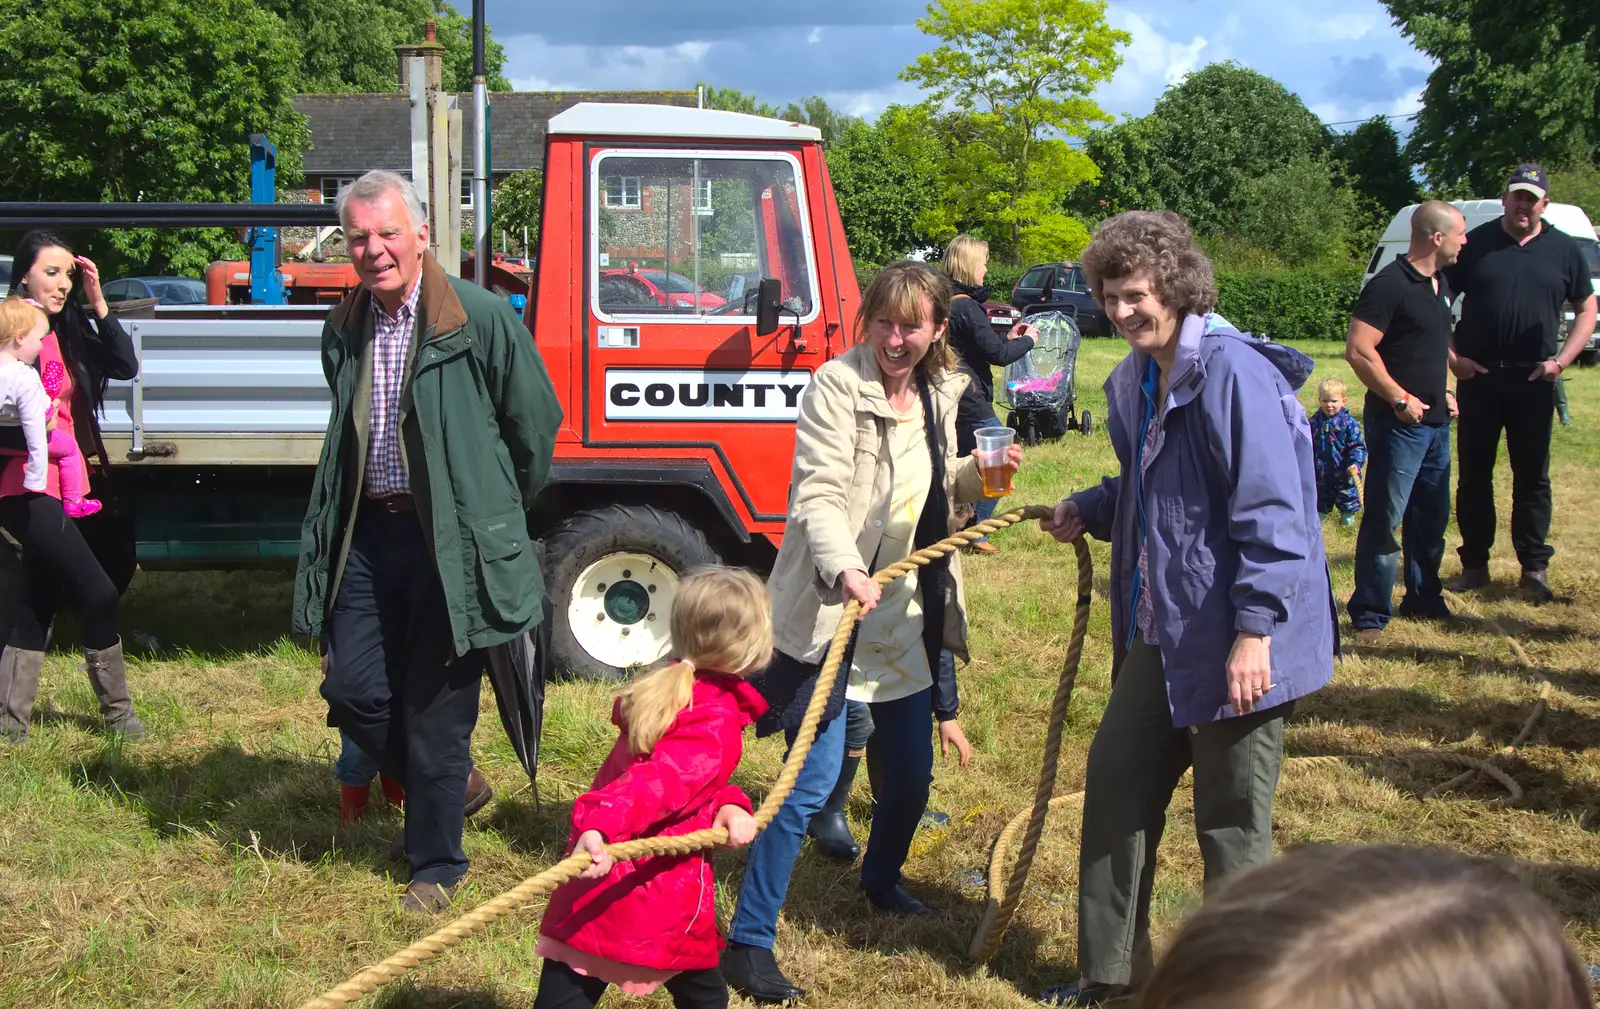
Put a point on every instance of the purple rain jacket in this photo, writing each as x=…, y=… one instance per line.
x=1230, y=504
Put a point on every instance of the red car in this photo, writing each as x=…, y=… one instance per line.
x=675, y=286
x=1001, y=317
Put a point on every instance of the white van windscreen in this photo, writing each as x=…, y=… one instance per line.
x=1591, y=255
x=1377, y=255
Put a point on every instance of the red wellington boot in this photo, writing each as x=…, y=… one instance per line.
x=392, y=791
x=352, y=804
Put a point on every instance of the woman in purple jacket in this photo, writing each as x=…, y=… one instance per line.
x=1222, y=611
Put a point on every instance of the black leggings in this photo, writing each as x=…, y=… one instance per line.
x=561, y=987
x=57, y=566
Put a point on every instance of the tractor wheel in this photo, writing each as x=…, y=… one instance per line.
x=613, y=573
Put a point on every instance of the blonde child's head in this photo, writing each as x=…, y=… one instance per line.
x=1330, y=394
x=721, y=622
x=23, y=325
x=1377, y=927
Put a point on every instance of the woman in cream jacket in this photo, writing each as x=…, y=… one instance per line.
x=876, y=477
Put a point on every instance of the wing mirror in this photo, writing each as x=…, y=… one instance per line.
x=769, y=303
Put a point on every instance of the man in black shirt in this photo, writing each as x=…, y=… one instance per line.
x=1399, y=346
x=1515, y=278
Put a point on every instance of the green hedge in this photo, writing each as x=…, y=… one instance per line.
x=1306, y=304
x=1002, y=280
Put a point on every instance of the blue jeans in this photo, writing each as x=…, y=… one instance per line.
x=1408, y=485
x=354, y=766
x=857, y=727
x=772, y=856
x=900, y=759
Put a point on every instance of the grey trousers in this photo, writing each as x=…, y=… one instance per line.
x=1135, y=763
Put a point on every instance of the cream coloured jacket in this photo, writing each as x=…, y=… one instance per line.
x=839, y=498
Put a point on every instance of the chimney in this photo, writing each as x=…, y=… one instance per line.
x=430, y=49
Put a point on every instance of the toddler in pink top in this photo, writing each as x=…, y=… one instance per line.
x=30, y=402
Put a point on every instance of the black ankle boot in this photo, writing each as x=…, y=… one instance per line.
x=753, y=972
x=829, y=826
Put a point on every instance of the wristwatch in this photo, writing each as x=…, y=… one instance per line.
x=1402, y=402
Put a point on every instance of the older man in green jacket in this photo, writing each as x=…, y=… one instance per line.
x=415, y=554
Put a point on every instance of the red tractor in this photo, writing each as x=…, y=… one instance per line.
x=680, y=411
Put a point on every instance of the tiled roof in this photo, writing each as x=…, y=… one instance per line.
x=355, y=133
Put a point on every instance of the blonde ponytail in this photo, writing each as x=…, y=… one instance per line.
x=721, y=621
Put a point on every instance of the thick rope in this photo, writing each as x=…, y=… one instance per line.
x=1005, y=890
x=1005, y=896
x=370, y=979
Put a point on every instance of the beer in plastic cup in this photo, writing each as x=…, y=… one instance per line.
x=993, y=443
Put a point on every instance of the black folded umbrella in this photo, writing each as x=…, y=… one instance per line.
x=518, y=670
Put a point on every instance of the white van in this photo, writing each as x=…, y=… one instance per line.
x=1562, y=216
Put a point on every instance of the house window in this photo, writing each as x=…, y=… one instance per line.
x=466, y=192
x=333, y=185
x=622, y=192
x=702, y=198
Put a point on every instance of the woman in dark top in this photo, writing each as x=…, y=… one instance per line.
x=57, y=564
x=966, y=262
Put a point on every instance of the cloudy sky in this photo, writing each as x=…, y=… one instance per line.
x=1343, y=57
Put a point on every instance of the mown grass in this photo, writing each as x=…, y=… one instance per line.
x=204, y=867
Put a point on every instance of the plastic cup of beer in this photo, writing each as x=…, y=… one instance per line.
x=994, y=444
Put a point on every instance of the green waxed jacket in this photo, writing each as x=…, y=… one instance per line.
x=478, y=421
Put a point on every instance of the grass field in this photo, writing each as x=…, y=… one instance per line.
x=204, y=867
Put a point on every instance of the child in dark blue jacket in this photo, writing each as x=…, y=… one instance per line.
x=1340, y=453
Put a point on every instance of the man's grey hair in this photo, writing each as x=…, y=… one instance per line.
x=373, y=185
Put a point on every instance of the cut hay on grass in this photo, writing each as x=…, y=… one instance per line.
x=204, y=867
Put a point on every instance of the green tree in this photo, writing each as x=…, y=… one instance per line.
x=152, y=100
x=1134, y=172
x=348, y=45
x=814, y=111
x=1299, y=211
x=1018, y=76
x=1579, y=184
x=734, y=100
x=1376, y=166
x=516, y=205
x=886, y=179
x=1514, y=82
x=1220, y=127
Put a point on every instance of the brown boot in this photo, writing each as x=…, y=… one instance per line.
x=109, y=676
x=19, y=685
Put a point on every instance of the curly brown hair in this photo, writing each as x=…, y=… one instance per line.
x=1157, y=242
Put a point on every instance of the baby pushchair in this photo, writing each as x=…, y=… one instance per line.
x=1040, y=386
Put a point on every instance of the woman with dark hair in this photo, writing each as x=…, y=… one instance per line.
x=1222, y=613
x=57, y=564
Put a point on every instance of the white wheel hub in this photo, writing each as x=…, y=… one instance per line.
x=620, y=608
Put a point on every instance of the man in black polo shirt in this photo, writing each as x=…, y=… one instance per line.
x=1399, y=346
x=1515, y=277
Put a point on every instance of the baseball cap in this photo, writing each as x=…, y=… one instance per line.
x=1529, y=178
